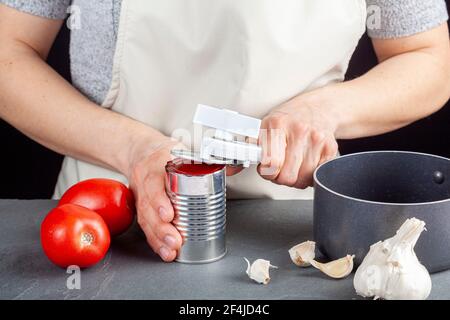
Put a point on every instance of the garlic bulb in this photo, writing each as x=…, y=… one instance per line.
x=337, y=269
x=303, y=253
x=391, y=269
x=259, y=270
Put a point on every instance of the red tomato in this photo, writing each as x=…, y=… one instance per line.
x=73, y=235
x=109, y=198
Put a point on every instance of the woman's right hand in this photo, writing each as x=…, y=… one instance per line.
x=154, y=210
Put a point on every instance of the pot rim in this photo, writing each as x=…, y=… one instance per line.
x=317, y=182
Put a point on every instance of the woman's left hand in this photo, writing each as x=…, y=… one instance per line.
x=296, y=138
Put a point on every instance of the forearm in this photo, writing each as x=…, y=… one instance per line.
x=37, y=101
x=400, y=90
x=397, y=92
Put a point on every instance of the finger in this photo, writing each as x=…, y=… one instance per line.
x=294, y=157
x=311, y=160
x=263, y=142
x=165, y=232
x=274, y=148
x=157, y=245
x=154, y=187
x=233, y=170
x=330, y=151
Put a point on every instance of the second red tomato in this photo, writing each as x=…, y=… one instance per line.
x=112, y=200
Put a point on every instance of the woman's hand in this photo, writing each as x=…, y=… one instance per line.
x=296, y=138
x=154, y=209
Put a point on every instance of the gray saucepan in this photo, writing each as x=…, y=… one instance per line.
x=362, y=198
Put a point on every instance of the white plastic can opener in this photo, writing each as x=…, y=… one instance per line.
x=229, y=143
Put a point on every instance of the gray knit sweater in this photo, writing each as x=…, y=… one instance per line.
x=92, y=46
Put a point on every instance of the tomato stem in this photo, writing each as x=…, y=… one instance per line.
x=87, y=238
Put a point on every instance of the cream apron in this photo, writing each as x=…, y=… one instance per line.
x=246, y=55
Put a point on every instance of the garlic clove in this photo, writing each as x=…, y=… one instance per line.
x=259, y=270
x=303, y=253
x=336, y=269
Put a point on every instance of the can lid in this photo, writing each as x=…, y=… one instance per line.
x=192, y=168
x=196, y=157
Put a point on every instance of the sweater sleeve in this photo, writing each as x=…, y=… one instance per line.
x=389, y=19
x=52, y=9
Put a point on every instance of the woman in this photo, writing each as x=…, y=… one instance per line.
x=148, y=64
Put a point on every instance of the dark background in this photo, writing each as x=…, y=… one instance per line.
x=29, y=171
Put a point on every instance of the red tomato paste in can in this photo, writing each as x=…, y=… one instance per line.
x=193, y=169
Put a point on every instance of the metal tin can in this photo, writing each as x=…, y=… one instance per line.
x=198, y=196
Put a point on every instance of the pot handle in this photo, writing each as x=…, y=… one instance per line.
x=438, y=177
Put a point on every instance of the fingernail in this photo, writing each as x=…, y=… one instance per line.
x=164, y=253
x=170, y=241
x=162, y=213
